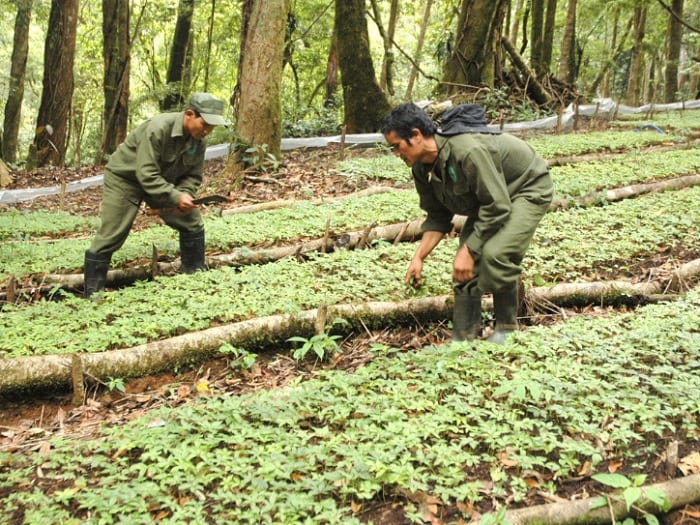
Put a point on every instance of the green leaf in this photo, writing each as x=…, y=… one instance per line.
x=599, y=502
x=658, y=497
x=631, y=495
x=617, y=481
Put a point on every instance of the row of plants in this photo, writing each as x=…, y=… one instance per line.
x=473, y=426
x=568, y=246
x=27, y=254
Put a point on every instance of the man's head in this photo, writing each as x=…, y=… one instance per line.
x=203, y=112
x=405, y=118
x=409, y=131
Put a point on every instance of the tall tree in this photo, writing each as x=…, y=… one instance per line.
x=18, y=67
x=473, y=58
x=567, y=61
x=386, y=79
x=634, y=83
x=331, y=82
x=259, y=113
x=180, y=65
x=419, y=49
x=117, y=64
x=537, y=37
x=364, y=101
x=548, y=35
x=674, y=36
x=51, y=134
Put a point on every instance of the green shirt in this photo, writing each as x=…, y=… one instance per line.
x=478, y=175
x=161, y=159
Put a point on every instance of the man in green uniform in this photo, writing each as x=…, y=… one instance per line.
x=498, y=181
x=160, y=162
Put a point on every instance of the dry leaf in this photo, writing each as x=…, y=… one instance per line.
x=614, y=466
x=183, y=391
x=690, y=464
x=585, y=469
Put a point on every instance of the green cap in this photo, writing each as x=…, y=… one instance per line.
x=209, y=107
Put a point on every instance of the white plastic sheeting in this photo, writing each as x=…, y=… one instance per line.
x=604, y=108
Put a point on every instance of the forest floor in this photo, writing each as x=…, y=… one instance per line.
x=27, y=422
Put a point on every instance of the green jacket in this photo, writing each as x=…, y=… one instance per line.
x=478, y=175
x=158, y=157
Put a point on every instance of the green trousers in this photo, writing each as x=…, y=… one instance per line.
x=120, y=203
x=499, y=264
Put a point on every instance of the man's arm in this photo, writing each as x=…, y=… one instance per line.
x=427, y=244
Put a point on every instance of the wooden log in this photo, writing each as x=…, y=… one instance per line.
x=678, y=492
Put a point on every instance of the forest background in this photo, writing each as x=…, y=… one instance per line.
x=83, y=73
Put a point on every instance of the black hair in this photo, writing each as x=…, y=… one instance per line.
x=404, y=118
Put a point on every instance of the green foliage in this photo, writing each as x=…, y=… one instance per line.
x=425, y=421
x=631, y=493
x=383, y=167
x=116, y=383
x=552, y=146
x=323, y=345
x=16, y=225
x=239, y=357
x=566, y=246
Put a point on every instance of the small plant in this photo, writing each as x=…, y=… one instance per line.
x=323, y=345
x=240, y=357
x=631, y=494
x=116, y=383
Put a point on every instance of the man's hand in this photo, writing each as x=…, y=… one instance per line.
x=185, y=205
x=463, y=266
x=414, y=273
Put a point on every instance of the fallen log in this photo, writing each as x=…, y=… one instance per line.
x=391, y=232
x=54, y=371
x=273, y=205
x=678, y=492
x=627, y=192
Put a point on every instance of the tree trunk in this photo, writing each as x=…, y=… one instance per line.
x=515, y=26
x=179, y=68
x=13, y=106
x=364, y=102
x=674, y=36
x=567, y=61
x=472, y=62
x=260, y=113
x=419, y=49
x=677, y=493
x=331, y=73
x=51, y=132
x=537, y=38
x=535, y=89
x=386, y=80
x=548, y=35
x=636, y=65
x=117, y=65
x=616, y=50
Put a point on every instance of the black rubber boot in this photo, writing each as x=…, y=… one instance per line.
x=466, y=317
x=192, y=252
x=505, y=310
x=95, y=272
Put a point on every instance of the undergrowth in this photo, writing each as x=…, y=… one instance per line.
x=473, y=424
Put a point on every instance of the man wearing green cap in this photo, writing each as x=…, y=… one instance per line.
x=160, y=162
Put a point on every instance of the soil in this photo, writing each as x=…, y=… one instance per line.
x=26, y=423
